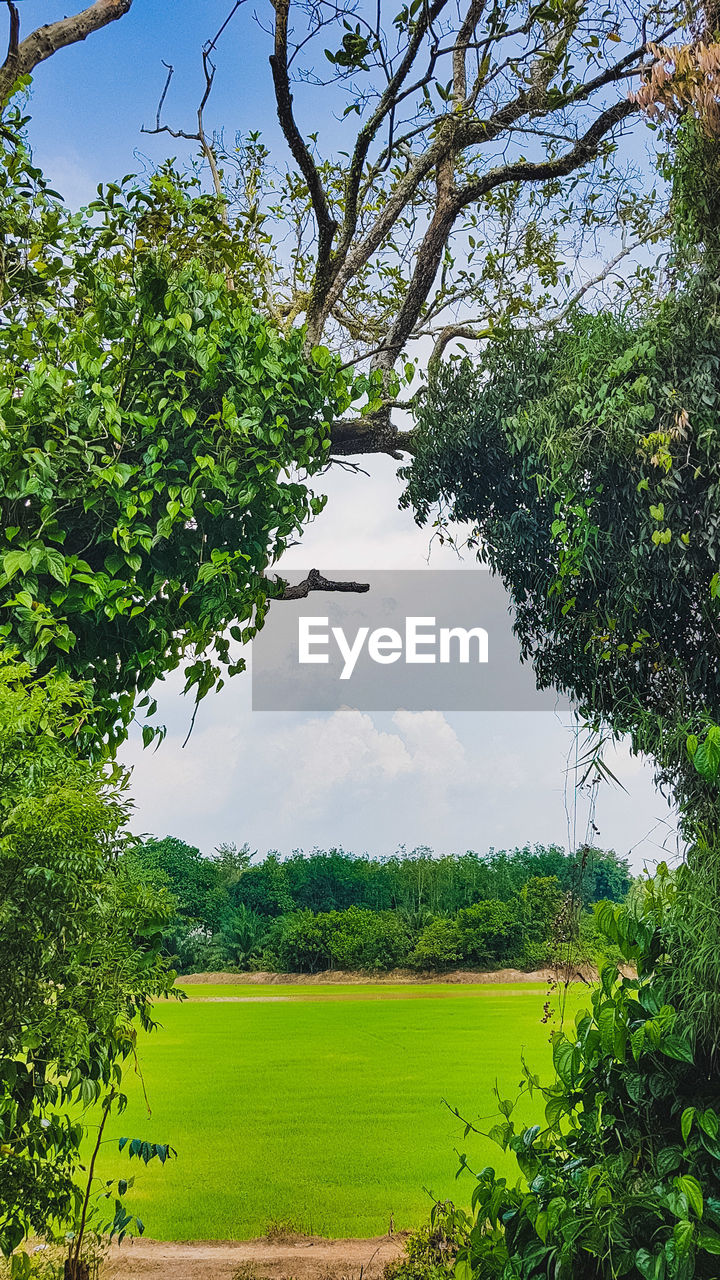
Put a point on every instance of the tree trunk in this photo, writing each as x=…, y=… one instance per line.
x=76, y=1269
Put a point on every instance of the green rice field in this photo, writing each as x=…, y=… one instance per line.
x=321, y=1107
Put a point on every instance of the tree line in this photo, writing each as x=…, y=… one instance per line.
x=331, y=909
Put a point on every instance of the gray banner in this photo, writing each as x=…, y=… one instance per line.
x=421, y=640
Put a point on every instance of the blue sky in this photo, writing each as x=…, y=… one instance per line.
x=368, y=782
x=90, y=101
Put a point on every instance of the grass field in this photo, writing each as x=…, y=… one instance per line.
x=320, y=1106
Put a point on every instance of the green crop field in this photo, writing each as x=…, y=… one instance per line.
x=321, y=1106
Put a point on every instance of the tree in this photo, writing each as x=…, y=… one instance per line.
x=79, y=938
x=192, y=879
x=620, y=1178
x=177, y=465
x=490, y=932
x=362, y=939
x=241, y=934
x=438, y=945
x=156, y=432
x=300, y=942
x=596, y=501
x=478, y=136
x=541, y=900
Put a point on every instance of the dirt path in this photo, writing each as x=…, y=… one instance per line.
x=297, y=1258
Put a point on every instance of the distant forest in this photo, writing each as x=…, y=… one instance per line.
x=336, y=910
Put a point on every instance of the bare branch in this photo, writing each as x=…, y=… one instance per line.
x=459, y=57
x=326, y=224
x=316, y=582
x=369, y=131
x=448, y=208
x=42, y=43
x=447, y=335
x=585, y=149
x=200, y=136
x=163, y=95
x=373, y=434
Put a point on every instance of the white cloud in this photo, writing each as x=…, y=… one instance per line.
x=324, y=757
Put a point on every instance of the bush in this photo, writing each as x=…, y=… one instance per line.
x=490, y=932
x=361, y=939
x=299, y=942
x=430, y=1253
x=79, y=939
x=439, y=946
x=621, y=1180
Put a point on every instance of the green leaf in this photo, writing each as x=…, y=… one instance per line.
x=667, y=1160
x=709, y=1241
x=691, y=1188
x=683, y=1234
x=565, y=1058
x=16, y=562
x=708, y=1122
x=645, y=1263
x=676, y=1047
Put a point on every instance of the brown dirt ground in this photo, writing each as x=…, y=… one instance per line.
x=335, y=976
x=287, y=1258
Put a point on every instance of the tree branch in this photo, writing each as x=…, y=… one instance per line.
x=448, y=209
x=372, y=434
x=23, y=57
x=459, y=56
x=387, y=103
x=447, y=335
x=326, y=224
x=585, y=149
x=316, y=582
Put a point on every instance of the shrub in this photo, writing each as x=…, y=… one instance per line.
x=80, y=941
x=361, y=939
x=621, y=1179
x=439, y=945
x=430, y=1253
x=490, y=932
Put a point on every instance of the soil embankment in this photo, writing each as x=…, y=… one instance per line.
x=330, y=977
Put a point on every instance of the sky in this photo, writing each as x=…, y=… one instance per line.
x=369, y=782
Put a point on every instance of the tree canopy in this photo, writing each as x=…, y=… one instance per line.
x=586, y=465
x=157, y=435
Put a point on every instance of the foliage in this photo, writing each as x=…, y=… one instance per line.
x=438, y=946
x=430, y=1253
x=621, y=1179
x=421, y=880
x=489, y=930
x=154, y=434
x=541, y=900
x=351, y=939
x=596, y=501
x=334, y=910
x=191, y=879
x=473, y=141
x=80, y=941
